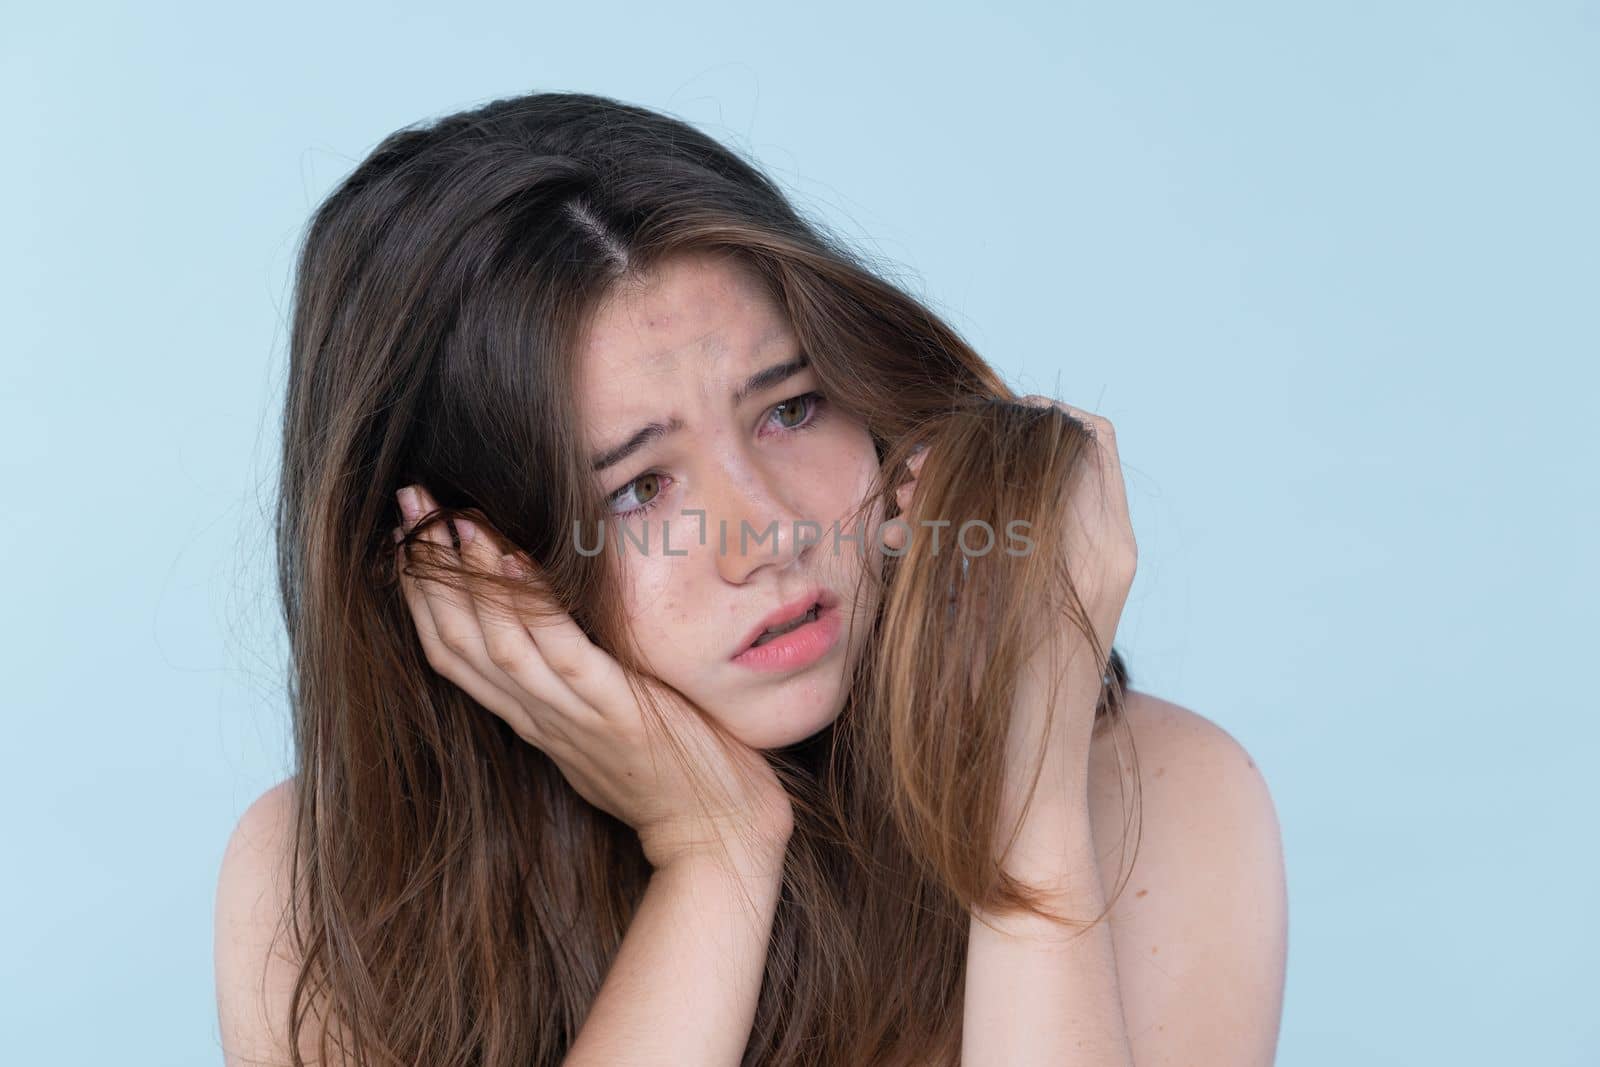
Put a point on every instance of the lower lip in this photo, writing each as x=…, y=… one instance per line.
x=798, y=648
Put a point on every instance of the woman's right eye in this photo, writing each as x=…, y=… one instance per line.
x=652, y=481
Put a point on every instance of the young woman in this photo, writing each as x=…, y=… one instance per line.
x=699, y=656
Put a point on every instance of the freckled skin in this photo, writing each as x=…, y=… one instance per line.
x=678, y=346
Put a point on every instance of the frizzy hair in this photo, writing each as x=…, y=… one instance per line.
x=452, y=900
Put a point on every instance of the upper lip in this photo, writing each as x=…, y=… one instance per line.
x=816, y=595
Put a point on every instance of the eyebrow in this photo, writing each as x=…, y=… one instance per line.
x=654, y=431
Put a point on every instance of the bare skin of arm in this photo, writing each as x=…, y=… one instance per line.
x=682, y=989
x=684, y=985
x=255, y=973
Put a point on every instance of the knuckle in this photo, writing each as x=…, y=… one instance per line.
x=455, y=638
x=502, y=653
x=437, y=658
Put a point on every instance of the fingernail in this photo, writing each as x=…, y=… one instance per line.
x=408, y=503
x=466, y=530
x=397, y=535
x=509, y=565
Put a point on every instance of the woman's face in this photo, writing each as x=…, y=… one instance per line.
x=710, y=507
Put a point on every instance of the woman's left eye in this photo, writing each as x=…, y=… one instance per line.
x=809, y=405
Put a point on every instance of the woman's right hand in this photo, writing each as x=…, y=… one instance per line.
x=571, y=700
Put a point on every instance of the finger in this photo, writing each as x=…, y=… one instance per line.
x=457, y=641
x=1108, y=459
x=447, y=663
x=894, y=536
x=421, y=613
x=904, y=493
x=513, y=655
x=454, y=619
x=592, y=674
x=1087, y=419
x=1105, y=436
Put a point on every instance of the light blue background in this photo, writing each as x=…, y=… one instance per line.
x=1331, y=270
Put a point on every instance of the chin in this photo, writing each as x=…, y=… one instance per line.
x=792, y=718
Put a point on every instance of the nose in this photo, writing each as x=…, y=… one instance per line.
x=759, y=525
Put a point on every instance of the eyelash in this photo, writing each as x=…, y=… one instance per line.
x=818, y=404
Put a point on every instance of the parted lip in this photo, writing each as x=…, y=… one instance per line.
x=815, y=595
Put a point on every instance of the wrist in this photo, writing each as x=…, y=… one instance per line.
x=758, y=861
x=744, y=842
x=1053, y=851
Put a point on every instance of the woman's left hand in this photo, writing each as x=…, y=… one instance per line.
x=1101, y=556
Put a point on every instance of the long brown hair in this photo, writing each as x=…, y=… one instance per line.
x=453, y=900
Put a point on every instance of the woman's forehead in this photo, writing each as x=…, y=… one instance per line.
x=700, y=325
x=686, y=308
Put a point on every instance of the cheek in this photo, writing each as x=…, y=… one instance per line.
x=659, y=614
x=852, y=464
x=846, y=463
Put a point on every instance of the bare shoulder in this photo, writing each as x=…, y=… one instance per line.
x=1191, y=773
x=254, y=971
x=1201, y=926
